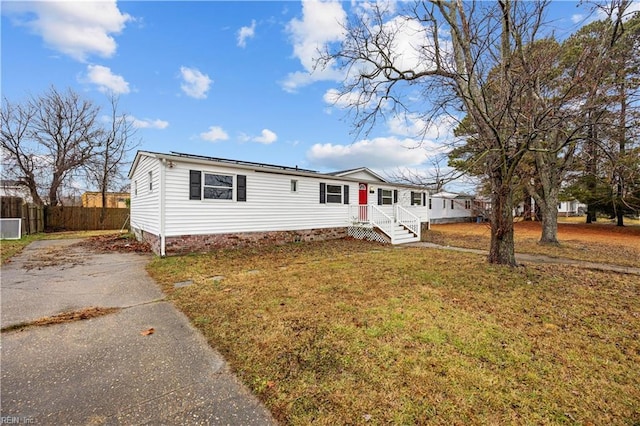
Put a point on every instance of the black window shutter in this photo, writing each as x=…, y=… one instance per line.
x=424, y=199
x=195, y=186
x=346, y=194
x=323, y=192
x=412, y=194
x=395, y=196
x=242, y=188
x=379, y=196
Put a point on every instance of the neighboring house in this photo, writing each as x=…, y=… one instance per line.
x=565, y=208
x=449, y=207
x=114, y=199
x=571, y=208
x=14, y=188
x=182, y=203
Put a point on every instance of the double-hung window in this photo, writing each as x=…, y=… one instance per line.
x=217, y=187
x=387, y=197
x=334, y=194
x=416, y=198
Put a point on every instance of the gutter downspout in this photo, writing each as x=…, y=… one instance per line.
x=162, y=216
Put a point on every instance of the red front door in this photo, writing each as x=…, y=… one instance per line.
x=363, y=194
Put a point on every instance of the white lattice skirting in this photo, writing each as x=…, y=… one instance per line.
x=362, y=233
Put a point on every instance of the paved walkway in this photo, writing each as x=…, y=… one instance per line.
x=103, y=370
x=538, y=258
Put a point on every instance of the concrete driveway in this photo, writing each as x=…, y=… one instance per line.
x=103, y=370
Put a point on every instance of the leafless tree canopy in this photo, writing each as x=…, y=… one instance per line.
x=462, y=58
x=491, y=66
x=48, y=139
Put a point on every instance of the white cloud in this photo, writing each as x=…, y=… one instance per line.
x=322, y=22
x=267, y=137
x=577, y=17
x=77, y=29
x=195, y=83
x=146, y=123
x=246, y=32
x=214, y=134
x=415, y=126
x=377, y=153
x=346, y=100
x=107, y=81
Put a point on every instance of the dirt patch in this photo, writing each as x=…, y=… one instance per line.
x=87, y=313
x=115, y=243
x=53, y=256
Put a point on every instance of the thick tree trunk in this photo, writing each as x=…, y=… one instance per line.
x=502, y=244
x=528, y=209
x=592, y=166
x=622, y=141
x=549, y=211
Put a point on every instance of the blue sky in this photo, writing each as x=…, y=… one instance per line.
x=223, y=79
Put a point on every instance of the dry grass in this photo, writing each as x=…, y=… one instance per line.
x=598, y=242
x=349, y=332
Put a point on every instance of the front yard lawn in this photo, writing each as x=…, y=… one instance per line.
x=596, y=242
x=349, y=332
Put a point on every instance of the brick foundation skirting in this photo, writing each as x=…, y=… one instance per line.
x=203, y=243
x=147, y=237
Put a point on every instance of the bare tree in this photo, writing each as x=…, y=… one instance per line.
x=115, y=143
x=434, y=179
x=49, y=138
x=20, y=157
x=466, y=53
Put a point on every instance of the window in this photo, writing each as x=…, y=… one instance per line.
x=217, y=187
x=416, y=199
x=334, y=194
x=386, y=197
x=444, y=204
x=452, y=206
x=294, y=185
x=135, y=187
x=467, y=204
x=150, y=181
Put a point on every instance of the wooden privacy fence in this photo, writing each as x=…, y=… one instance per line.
x=84, y=218
x=31, y=214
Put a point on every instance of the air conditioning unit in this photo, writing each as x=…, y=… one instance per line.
x=10, y=228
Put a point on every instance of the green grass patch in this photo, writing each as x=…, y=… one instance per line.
x=349, y=332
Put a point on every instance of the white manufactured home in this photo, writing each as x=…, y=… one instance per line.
x=183, y=203
x=449, y=207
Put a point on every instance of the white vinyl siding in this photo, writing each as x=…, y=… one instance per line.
x=270, y=204
x=450, y=208
x=145, y=204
